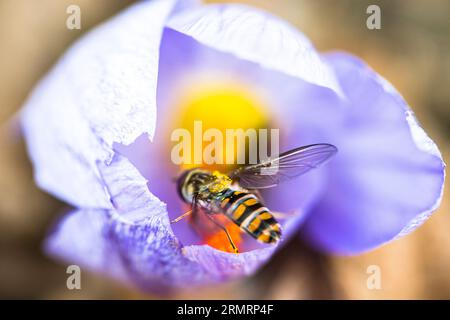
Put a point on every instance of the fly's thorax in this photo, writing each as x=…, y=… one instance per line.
x=220, y=183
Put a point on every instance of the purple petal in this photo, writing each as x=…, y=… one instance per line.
x=88, y=151
x=80, y=237
x=103, y=90
x=388, y=175
x=134, y=242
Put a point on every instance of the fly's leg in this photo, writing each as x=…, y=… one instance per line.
x=235, y=249
x=188, y=213
x=195, y=208
x=184, y=215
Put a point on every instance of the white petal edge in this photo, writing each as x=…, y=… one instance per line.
x=424, y=143
x=256, y=36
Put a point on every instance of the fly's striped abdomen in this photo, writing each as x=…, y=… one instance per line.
x=249, y=214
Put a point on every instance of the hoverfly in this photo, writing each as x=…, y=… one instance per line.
x=236, y=196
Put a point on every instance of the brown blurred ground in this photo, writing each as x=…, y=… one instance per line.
x=412, y=50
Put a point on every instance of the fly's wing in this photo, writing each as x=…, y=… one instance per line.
x=288, y=165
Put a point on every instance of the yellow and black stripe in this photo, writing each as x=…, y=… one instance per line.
x=249, y=214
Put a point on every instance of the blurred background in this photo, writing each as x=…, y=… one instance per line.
x=412, y=50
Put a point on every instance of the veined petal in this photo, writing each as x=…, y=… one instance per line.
x=388, y=176
x=103, y=90
x=135, y=243
x=256, y=36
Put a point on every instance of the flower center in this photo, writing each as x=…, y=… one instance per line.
x=221, y=108
x=224, y=109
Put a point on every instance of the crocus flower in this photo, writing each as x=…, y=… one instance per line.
x=96, y=128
